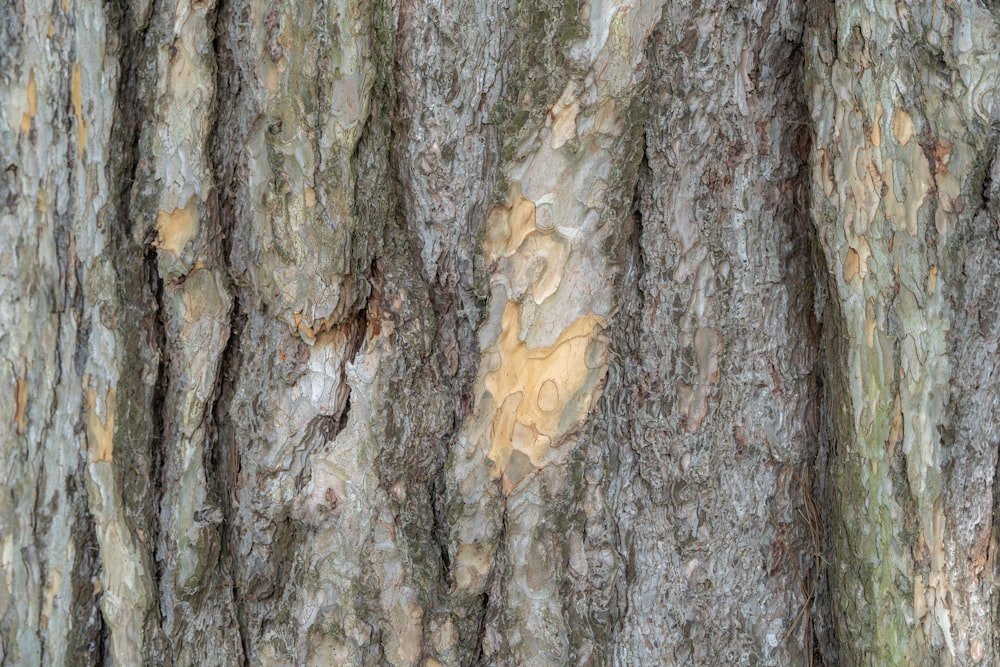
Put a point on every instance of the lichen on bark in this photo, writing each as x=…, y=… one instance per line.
x=901, y=100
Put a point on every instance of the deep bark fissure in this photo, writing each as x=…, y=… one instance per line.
x=972, y=428
x=100, y=648
x=991, y=206
x=140, y=298
x=491, y=593
x=623, y=380
x=92, y=635
x=810, y=513
x=825, y=637
x=224, y=467
x=224, y=463
x=821, y=648
x=440, y=531
x=626, y=377
x=158, y=420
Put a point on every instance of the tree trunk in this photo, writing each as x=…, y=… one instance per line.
x=358, y=332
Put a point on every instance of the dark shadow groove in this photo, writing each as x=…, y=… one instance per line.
x=224, y=458
x=138, y=437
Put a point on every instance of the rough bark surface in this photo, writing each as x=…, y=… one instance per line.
x=902, y=98
x=536, y=332
x=714, y=504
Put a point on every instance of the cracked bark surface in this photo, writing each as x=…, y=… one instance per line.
x=361, y=332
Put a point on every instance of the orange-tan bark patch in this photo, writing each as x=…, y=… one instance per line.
x=472, y=563
x=852, y=265
x=52, y=585
x=312, y=333
x=876, y=134
x=902, y=126
x=942, y=156
x=176, y=228
x=870, y=326
x=76, y=97
x=540, y=393
x=100, y=432
x=28, y=115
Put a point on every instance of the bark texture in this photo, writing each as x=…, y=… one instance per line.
x=720, y=403
x=534, y=332
x=902, y=99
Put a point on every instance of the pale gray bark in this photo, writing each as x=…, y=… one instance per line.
x=902, y=101
x=536, y=332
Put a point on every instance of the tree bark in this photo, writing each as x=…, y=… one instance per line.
x=358, y=332
x=720, y=398
x=902, y=102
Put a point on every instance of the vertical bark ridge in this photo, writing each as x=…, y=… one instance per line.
x=195, y=594
x=448, y=76
x=59, y=349
x=300, y=78
x=715, y=462
x=335, y=565
x=902, y=96
x=226, y=137
x=124, y=488
x=570, y=154
x=971, y=441
x=596, y=573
